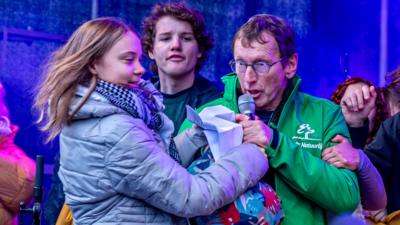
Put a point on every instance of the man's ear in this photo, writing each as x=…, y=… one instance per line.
x=291, y=66
x=393, y=108
x=151, y=56
x=396, y=109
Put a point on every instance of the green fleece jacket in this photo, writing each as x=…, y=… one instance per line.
x=303, y=126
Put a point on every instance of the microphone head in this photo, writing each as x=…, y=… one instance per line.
x=247, y=105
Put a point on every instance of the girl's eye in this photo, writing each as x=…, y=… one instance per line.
x=128, y=60
x=188, y=38
x=164, y=38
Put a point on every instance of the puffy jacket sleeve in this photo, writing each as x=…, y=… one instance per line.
x=188, y=142
x=310, y=175
x=138, y=167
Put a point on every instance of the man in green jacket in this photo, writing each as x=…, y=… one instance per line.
x=293, y=127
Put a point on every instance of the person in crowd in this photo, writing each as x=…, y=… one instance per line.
x=17, y=170
x=176, y=39
x=383, y=151
x=118, y=161
x=293, y=127
x=363, y=121
x=391, y=92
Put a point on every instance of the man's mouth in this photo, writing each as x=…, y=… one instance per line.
x=176, y=58
x=253, y=93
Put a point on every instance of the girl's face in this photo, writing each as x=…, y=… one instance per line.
x=121, y=64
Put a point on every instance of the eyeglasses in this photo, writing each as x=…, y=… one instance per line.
x=261, y=67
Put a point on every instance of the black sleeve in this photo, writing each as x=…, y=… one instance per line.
x=380, y=150
x=359, y=135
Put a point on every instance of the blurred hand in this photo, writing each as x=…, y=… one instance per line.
x=357, y=103
x=5, y=129
x=376, y=216
x=254, y=131
x=196, y=134
x=342, y=155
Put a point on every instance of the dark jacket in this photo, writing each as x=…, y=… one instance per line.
x=384, y=152
x=202, y=92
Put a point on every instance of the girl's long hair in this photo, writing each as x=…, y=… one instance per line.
x=69, y=66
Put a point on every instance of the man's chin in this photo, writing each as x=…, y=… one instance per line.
x=176, y=73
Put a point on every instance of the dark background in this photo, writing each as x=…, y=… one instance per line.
x=331, y=35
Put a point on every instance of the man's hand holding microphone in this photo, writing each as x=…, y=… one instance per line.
x=255, y=131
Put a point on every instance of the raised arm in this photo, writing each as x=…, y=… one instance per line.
x=343, y=155
x=358, y=105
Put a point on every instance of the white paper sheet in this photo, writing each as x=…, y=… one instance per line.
x=219, y=127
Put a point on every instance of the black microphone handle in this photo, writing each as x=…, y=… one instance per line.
x=37, y=189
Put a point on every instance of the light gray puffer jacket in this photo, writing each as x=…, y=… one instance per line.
x=116, y=171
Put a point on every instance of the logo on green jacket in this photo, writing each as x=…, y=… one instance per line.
x=304, y=138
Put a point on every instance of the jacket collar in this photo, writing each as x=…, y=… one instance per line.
x=287, y=100
x=200, y=84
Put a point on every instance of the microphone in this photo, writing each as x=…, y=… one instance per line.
x=246, y=105
x=36, y=210
x=38, y=191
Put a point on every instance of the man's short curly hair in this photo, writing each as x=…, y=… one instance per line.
x=180, y=12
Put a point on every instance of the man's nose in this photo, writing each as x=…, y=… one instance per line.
x=176, y=44
x=250, y=75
